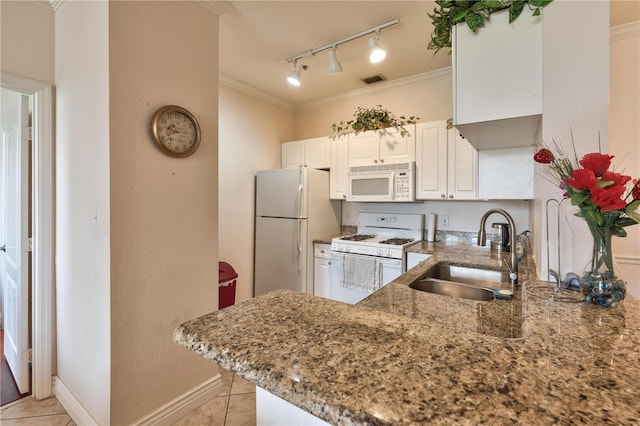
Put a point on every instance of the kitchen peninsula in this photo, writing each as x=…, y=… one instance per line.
x=407, y=357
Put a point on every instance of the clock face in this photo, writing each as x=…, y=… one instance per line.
x=175, y=131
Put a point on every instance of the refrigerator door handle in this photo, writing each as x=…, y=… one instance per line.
x=300, y=193
x=298, y=245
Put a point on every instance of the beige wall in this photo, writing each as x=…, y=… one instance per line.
x=624, y=130
x=575, y=97
x=427, y=96
x=82, y=192
x=164, y=219
x=250, y=132
x=27, y=42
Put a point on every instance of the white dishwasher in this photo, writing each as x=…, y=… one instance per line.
x=322, y=270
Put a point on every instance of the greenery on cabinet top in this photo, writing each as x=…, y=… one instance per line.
x=474, y=12
x=374, y=118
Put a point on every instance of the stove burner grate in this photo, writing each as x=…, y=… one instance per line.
x=357, y=237
x=397, y=241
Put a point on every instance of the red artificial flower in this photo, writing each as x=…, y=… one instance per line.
x=582, y=179
x=609, y=198
x=596, y=162
x=616, y=178
x=636, y=190
x=543, y=156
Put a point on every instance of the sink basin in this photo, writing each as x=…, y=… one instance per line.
x=468, y=275
x=453, y=289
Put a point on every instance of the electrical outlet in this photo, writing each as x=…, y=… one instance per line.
x=444, y=221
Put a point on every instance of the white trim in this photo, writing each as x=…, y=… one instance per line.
x=621, y=32
x=252, y=91
x=407, y=81
x=435, y=75
x=74, y=408
x=184, y=404
x=218, y=7
x=628, y=260
x=43, y=229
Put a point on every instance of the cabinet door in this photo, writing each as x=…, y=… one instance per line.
x=292, y=154
x=364, y=148
x=431, y=160
x=462, y=176
x=395, y=148
x=478, y=60
x=317, y=153
x=414, y=258
x=338, y=167
x=322, y=271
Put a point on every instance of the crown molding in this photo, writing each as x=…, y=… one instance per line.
x=55, y=4
x=624, y=31
x=218, y=7
x=435, y=75
x=252, y=91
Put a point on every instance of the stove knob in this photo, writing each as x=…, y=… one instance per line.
x=348, y=248
x=380, y=251
x=389, y=253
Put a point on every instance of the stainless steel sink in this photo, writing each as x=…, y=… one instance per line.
x=468, y=275
x=453, y=289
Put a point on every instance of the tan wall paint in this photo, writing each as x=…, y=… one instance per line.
x=27, y=41
x=164, y=218
x=624, y=129
x=428, y=98
x=250, y=134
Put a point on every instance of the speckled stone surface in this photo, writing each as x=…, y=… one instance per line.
x=408, y=357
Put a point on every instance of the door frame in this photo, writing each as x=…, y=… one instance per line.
x=43, y=228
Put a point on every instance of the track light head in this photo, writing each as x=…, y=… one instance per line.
x=294, y=77
x=334, y=64
x=376, y=53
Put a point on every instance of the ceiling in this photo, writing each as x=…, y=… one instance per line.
x=256, y=38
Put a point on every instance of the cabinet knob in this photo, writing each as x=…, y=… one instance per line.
x=329, y=263
x=382, y=160
x=344, y=196
x=375, y=161
x=442, y=196
x=450, y=196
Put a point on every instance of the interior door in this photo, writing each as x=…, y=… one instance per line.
x=14, y=254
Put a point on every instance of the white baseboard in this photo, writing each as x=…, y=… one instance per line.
x=184, y=404
x=167, y=414
x=70, y=403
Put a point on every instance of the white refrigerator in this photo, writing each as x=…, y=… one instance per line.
x=292, y=209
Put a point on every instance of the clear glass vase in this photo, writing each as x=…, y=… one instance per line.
x=599, y=284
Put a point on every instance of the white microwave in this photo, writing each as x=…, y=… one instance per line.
x=382, y=183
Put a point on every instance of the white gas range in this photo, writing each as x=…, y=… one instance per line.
x=376, y=255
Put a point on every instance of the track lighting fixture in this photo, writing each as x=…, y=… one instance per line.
x=334, y=64
x=294, y=77
x=377, y=54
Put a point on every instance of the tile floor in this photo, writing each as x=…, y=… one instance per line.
x=235, y=406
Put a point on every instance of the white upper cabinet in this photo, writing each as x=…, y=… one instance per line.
x=506, y=174
x=381, y=147
x=446, y=164
x=313, y=153
x=338, y=167
x=497, y=81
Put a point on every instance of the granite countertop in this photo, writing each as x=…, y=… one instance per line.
x=408, y=357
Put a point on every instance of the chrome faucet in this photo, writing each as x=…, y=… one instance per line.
x=482, y=241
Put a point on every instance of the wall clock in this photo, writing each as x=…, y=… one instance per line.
x=175, y=131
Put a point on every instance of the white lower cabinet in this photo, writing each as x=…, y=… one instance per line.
x=322, y=270
x=275, y=411
x=446, y=163
x=339, y=153
x=414, y=258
